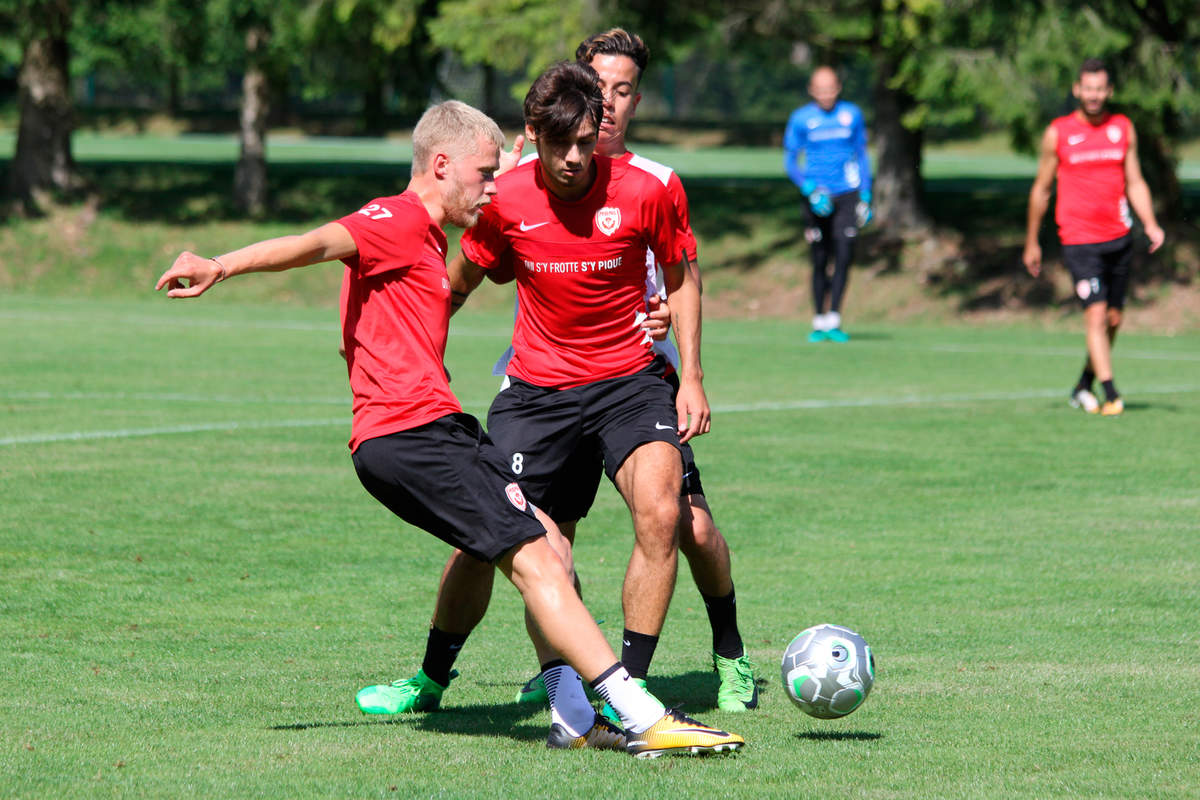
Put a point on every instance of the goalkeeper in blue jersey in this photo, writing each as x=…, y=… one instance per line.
x=835, y=179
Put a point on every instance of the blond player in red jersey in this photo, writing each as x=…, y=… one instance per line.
x=411, y=445
x=1093, y=154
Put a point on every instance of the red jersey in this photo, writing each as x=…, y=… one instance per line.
x=395, y=317
x=580, y=269
x=1091, y=205
x=674, y=186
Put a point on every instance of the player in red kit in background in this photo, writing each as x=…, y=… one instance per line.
x=1093, y=154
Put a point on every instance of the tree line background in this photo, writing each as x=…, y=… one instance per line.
x=920, y=68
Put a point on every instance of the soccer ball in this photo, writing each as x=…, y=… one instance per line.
x=828, y=671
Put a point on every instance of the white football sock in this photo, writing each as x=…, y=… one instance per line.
x=569, y=706
x=833, y=321
x=638, y=708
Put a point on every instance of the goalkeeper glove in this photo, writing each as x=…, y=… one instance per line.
x=862, y=211
x=818, y=199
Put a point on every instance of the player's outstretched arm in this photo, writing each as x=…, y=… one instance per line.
x=695, y=416
x=1039, y=201
x=465, y=276
x=192, y=275
x=1138, y=193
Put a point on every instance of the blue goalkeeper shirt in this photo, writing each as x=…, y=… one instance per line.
x=834, y=144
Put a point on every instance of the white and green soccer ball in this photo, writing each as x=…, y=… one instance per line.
x=828, y=671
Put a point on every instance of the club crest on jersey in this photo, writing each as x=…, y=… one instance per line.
x=1113, y=133
x=608, y=219
x=516, y=496
x=845, y=117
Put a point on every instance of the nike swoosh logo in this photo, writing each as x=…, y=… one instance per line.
x=661, y=427
x=626, y=643
x=1076, y=139
x=525, y=227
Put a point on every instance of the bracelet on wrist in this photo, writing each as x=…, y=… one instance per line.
x=224, y=274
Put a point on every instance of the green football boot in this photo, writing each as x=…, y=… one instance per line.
x=534, y=691
x=610, y=713
x=418, y=693
x=738, y=691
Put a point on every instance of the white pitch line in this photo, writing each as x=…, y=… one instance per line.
x=789, y=405
x=177, y=397
x=201, y=427
x=458, y=329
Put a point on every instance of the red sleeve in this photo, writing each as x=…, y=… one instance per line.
x=505, y=271
x=679, y=198
x=485, y=243
x=668, y=238
x=388, y=233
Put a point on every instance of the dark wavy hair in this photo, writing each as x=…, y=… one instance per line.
x=561, y=99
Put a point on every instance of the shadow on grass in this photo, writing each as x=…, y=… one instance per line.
x=868, y=336
x=839, y=736
x=507, y=719
x=694, y=692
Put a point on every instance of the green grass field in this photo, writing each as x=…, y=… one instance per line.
x=193, y=584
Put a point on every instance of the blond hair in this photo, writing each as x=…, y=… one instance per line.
x=454, y=128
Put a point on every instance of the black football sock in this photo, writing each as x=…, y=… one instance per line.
x=637, y=651
x=722, y=618
x=441, y=648
x=1110, y=391
x=1086, y=379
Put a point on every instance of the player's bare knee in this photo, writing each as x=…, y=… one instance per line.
x=655, y=528
x=1115, y=317
x=697, y=533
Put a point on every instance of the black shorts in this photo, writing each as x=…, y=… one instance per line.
x=554, y=436
x=446, y=477
x=841, y=224
x=1100, y=271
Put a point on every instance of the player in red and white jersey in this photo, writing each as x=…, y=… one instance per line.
x=575, y=229
x=619, y=59
x=1093, y=154
x=580, y=267
x=413, y=448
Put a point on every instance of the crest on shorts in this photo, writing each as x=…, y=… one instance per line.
x=608, y=219
x=1083, y=288
x=1113, y=133
x=516, y=496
